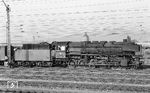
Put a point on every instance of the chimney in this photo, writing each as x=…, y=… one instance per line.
x=86, y=36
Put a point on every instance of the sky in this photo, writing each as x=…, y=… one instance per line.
x=67, y=20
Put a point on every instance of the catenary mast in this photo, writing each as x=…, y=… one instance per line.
x=8, y=39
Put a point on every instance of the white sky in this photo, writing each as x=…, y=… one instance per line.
x=51, y=20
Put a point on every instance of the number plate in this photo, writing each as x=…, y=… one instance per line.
x=12, y=84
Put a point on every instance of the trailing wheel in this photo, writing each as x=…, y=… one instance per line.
x=50, y=64
x=72, y=63
x=91, y=63
x=81, y=62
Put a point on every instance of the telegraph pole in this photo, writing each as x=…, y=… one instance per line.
x=8, y=39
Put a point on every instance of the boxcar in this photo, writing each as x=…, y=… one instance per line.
x=2, y=55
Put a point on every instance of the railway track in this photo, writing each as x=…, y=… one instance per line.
x=76, y=70
x=54, y=84
x=75, y=79
x=35, y=90
x=84, y=79
x=106, y=83
x=88, y=70
x=81, y=74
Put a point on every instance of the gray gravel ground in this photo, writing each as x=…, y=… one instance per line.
x=131, y=78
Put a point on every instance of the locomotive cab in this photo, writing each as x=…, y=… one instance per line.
x=59, y=53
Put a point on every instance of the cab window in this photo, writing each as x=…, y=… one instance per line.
x=62, y=48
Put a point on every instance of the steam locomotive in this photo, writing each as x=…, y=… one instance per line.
x=84, y=53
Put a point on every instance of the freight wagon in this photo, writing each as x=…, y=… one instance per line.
x=146, y=56
x=3, y=56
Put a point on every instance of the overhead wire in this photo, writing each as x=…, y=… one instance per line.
x=85, y=12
